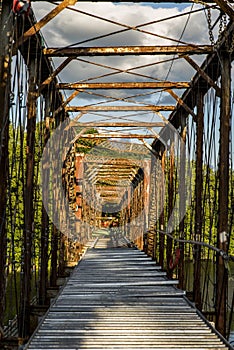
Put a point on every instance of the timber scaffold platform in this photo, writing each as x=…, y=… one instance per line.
x=118, y=298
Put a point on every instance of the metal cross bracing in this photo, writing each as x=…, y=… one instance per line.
x=125, y=112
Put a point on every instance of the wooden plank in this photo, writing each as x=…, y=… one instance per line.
x=105, y=305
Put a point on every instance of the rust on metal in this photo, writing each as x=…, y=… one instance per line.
x=203, y=74
x=39, y=25
x=128, y=50
x=223, y=201
x=117, y=135
x=119, y=108
x=55, y=73
x=226, y=7
x=198, y=200
x=118, y=124
x=125, y=85
x=182, y=103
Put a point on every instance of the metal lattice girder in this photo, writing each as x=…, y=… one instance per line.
x=125, y=85
x=128, y=50
x=119, y=108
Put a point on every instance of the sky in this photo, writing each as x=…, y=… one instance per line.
x=70, y=27
x=73, y=28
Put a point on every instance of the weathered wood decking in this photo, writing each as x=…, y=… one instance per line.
x=117, y=298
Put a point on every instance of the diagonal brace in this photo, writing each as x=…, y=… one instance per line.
x=226, y=7
x=36, y=27
x=55, y=73
x=203, y=74
x=65, y=103
x=182, y=103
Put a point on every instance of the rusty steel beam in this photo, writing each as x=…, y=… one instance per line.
x=113, y=177
x=203, y=74
x=103, y=190
x=115, y=192
x=107, y=173
x=114, y=172
x=117, y=136
x=63, y=105
x=108, y=187
x=223, y=201
x=119, y=124
x=119, y=108
x=6, y=25
x=55, y=73
x=171, y=193
x=24, y=323
x=182, y=199
x=39, y=25
x=208, y=67
x=198, y=201
x=226, y=7
x=110, y=165
x=126, y=85
x=128, y=50
x=182, y=103
x=111, y=199
x=45, y=224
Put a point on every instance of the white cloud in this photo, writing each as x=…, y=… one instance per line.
x=70, y=27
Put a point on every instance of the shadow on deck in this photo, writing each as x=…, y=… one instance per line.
x=118, y=298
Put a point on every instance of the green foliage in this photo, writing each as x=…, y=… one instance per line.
x=15, y=214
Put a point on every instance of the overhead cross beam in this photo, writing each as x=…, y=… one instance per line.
x=119, y=108
x=119, y=124
x=125, y=85
x=117, y=135
x=128, y=50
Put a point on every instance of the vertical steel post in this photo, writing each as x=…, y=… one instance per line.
x=24, y=325
x=5, y=49
x=170, y=200
x=198, y=202
x=182, y=199
x=223, y=226
x=56, y=202
x=161, y=206
x=79, y=175
x=43, y=280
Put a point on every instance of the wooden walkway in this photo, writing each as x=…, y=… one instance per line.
x=117, y=298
